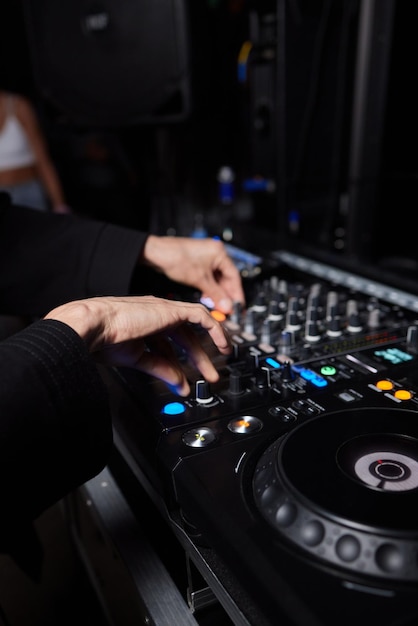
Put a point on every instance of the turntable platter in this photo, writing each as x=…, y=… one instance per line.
x=344, y=487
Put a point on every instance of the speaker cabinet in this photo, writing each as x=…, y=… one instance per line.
x=111, y=63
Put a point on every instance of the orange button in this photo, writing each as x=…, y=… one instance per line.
x=403, y=394
x=384, y=385
x=218, y=315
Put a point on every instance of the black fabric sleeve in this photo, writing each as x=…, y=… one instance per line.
x=47, y=259
x=55, y=423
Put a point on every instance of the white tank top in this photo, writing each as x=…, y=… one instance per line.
x=15, y=149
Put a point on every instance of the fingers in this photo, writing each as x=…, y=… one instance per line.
x=161, y=361
x=158, y=358
x=230, y=279
x=217, y=333
x=167, y=371
x=224, y=292
x=187, y=339
x=203, y=264
x=136, y=331
x=144, y=331
x=222, y=281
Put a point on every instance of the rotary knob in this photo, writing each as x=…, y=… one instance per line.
x=334, y=327
x=354, y=323
x=236, y=387
x=203, y=392
x=287, y=373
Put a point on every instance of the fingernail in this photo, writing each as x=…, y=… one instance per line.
x=225, y=305
x=179, y=390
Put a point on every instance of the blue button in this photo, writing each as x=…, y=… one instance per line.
x=312, y=377
x=273, y=363
x=173, y=408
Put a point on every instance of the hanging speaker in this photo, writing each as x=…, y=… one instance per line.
x=108, y=63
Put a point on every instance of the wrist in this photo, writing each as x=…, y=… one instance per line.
x=81, y=316
x=151, y=253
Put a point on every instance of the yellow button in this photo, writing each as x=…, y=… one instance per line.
x=403, y=394
x=384, y=385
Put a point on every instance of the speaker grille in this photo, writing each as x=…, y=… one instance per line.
x=111, y=62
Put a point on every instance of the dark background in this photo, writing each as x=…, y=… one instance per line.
x=289, y=122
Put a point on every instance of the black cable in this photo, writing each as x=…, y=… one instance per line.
x=306, y=124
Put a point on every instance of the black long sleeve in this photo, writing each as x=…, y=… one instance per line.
x=47, y=259
x=55, y=427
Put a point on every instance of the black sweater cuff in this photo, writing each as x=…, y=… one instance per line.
x=55, y=426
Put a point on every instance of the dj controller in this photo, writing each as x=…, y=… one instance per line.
x=299, y=467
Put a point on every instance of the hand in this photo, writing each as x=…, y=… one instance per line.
x=200, y=263
x=136, y=331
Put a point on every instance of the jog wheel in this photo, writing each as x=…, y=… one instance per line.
x=343, y=488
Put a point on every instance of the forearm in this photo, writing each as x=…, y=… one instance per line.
x=46, y=259
x=55, y=431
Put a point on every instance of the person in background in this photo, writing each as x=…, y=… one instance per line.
x=26, y=169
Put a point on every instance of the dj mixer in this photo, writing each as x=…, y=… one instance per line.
x=299, y=467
